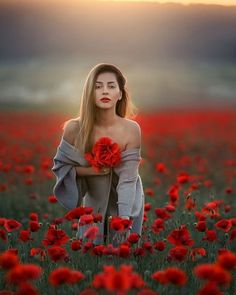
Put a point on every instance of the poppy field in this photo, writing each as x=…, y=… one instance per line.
x=188, y=242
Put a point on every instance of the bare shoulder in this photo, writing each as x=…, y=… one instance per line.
x=70, y=129
x=133, y=131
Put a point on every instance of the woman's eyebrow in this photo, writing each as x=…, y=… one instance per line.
x=107, y=82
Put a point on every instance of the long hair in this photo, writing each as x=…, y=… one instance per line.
x=86, y=116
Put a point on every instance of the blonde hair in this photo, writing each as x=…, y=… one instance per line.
x=86, y=116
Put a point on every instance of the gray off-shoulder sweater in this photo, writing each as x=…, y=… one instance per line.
x=118, y=193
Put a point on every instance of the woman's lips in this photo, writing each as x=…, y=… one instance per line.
x=105, y=99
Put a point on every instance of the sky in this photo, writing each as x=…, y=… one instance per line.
x=221, y=2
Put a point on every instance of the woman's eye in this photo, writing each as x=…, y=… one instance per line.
x=112, y=86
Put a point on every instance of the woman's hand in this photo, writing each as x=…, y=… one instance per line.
x=89, y=171
x=103, y=171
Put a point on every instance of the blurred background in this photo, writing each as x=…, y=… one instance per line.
x=173, y=54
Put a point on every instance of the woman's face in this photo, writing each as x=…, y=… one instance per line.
x=106, y=86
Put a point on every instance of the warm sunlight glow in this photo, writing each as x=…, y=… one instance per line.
x=220, y=2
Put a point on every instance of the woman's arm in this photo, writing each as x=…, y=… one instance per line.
x=127, y=179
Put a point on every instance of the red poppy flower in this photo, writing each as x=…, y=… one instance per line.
x=176, y=276
x=160, y=246
x=86, y=219
x=149, y=191
x=172, y=275
x=201, y=226
x=34, y=226
x=8, y=259
x=104, y=153
x=98, y=250
x=24, y=236
x=210, y=288
x=11, y=225
x=34, y=216
x=178, y=253
x=124, y=251
x=55, y=237
x=57, y=253
x=183, y=177
x=64, y=275
x=213, y=272
x=23, y=272
x=227, y=260
x=75, y=213
x=119, y=281
x=210, y=236
x=224, y=224
x=91, y=233
x=160, y=167
x=197, y=252
x=3, y=235
x=38, y=252
x=133, y=238
x=232, y=235
x=52, y=199
x=25, y=288
x=75, y=245
x=158, y=225
x=180, y=236
x=162, y=213
x=119, y=224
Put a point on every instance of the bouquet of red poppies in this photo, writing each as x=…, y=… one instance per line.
x=104, y=154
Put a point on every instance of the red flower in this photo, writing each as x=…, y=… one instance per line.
x=104, y=153
x=91, y=233
x=160, y=246
x=86, y=219
x=180, y=236
x=8, y=259
x=210, y=236
x=197, y=252
x=124, y=251
x=3, y=235
x=26, y=288
x=210, y=288
x=34, y=226
x=75, y=213
x=57, y=253
x=172, y=275
x=23, y=272
x=75, y=245
x=183, y=177
x=119, y=281
x=11, y=225
x=213, y=272
x=160, y=167
x=201, y=226
x=24, y=236
x=232, y=235
x=52, y=199
x=133, y=238
x=119, y=224
x=224, y=225
x=98, y=250
x=55, y=237
x=64, y=275
x=227, y=260
x=158, y=225
x=178, y=253
x=34, y=216
x=162, y=213
x=38, y=252
x=176, y=276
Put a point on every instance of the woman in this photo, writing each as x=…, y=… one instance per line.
x=105, y=110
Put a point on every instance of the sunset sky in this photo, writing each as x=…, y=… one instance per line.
x=221, y=2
